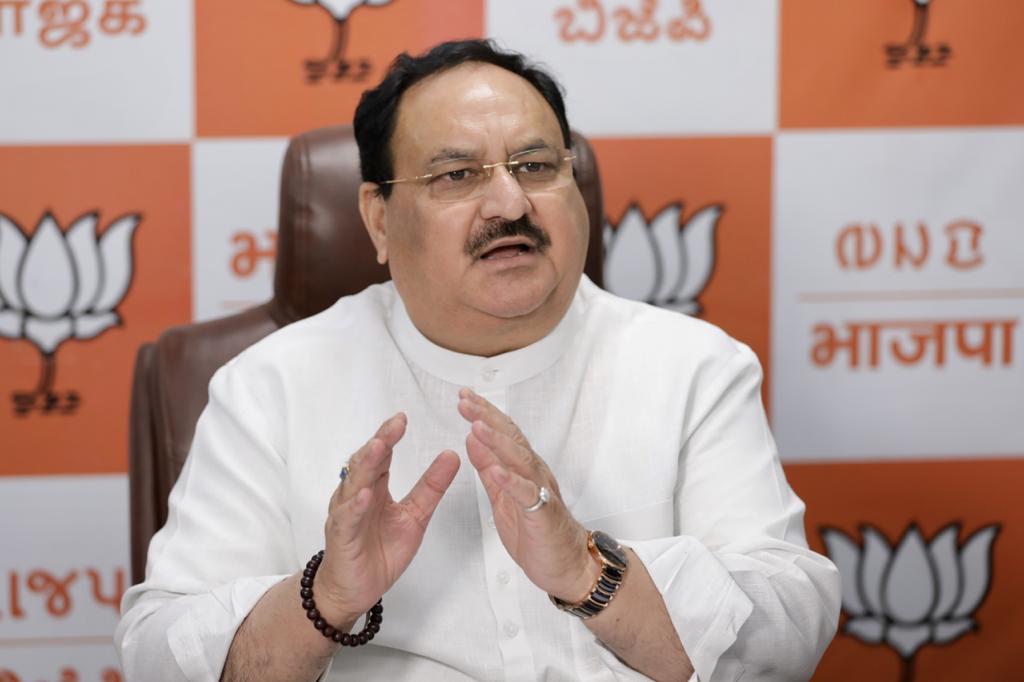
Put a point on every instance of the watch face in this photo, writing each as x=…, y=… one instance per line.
x=610, y=549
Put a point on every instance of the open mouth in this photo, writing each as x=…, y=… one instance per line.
x=507, y=250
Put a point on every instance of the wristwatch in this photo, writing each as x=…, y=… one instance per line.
x=614, y=563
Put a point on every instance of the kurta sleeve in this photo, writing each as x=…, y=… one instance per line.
x=745, y=594
x=227, y=517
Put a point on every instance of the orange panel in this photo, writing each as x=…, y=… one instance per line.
x=931, y=494
x=84, y=427
x=962, y=65
x=733, y=173
x=252, y=76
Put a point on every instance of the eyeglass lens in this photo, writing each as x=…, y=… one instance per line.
x=536, y=171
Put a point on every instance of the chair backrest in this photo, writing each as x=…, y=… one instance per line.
x=323, y=253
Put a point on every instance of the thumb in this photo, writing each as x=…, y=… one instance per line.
x=424, y=497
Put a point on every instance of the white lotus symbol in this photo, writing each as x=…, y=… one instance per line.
x=339, y=11
x=662, y=262
x=59, y=285
x=918, y=594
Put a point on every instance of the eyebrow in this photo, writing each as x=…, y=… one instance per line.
x=532, y=146
x=454, y=154
x=451, y=154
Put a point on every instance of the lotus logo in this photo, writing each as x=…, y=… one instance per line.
x=915, y=50
x=57, y=286
x=344, y=67
x=918, y=593
x=663, y=262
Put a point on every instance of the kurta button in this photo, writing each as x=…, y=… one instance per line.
x=503, y=577
x=490, y=374
x=511, y=629
x=490, y=522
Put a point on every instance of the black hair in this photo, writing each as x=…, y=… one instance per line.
x=377, y=113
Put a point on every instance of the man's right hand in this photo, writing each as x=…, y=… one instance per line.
x=371, y=538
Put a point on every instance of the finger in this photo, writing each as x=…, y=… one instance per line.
x=500, y=433
x=345, y=522
x=473, y=406
x=392, y=430
x=525, y=492
x=373, y=460
x=480, y=456
x=382, y=490
x=364, y=469
x=510, y=451
x=365, y=505
x=424, y=497
x=482, y=459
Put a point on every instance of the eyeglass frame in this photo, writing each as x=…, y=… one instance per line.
x=488, y=168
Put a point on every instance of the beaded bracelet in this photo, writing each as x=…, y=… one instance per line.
x=373, y=616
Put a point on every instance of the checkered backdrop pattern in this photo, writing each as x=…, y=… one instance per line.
x=835, y=183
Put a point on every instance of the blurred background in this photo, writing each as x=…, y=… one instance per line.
x=838, y=184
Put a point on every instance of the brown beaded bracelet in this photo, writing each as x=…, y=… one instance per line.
x=374, y=616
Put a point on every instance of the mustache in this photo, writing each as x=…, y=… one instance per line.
x=500, y=228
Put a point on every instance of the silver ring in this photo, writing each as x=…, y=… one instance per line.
x=345, y=472
x=542, y=498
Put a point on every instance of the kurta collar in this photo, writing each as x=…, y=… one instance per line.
x=478, y=372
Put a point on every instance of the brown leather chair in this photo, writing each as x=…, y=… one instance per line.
x=323, y=253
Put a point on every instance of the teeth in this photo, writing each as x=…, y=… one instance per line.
x=521, y=247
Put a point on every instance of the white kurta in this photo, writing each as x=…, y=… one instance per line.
x=650, y=420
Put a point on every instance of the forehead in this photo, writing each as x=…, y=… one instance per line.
x=479, y=108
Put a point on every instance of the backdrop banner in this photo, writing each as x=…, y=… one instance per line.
x=837, y=184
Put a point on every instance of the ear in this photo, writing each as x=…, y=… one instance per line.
x=374, y=213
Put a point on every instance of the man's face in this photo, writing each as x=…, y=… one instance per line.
x=455, y=263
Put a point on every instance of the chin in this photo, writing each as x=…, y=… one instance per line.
x=515, y=301
x=512, y=308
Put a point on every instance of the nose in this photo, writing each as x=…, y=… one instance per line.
x=503, y=197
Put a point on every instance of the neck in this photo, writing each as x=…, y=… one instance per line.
x=493, y=337
x=485, y=335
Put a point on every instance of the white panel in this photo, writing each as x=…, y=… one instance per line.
x=65, y=553
x=234, y=230
x=887, y=189
x=711, y=77
x=39, y=661
x=86, y=76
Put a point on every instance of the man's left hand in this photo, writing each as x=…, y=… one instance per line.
x=548, y=544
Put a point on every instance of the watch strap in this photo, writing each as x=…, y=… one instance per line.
x=603, y=591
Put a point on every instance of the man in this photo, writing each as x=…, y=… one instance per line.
x=578, y=413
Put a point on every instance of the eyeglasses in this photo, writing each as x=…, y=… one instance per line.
x=536, y=170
